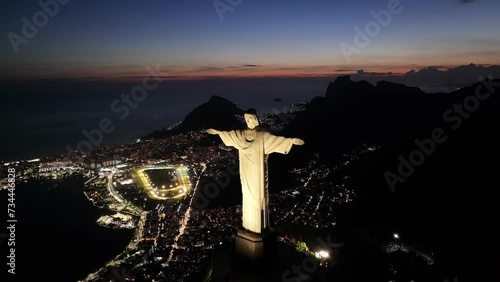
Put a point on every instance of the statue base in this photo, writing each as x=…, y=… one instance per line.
x=254, y=257
x=252, y=246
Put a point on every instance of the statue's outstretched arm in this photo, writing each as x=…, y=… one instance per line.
x=212, y=131
x=297, y=141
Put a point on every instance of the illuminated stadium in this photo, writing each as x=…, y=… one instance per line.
x=164, y=183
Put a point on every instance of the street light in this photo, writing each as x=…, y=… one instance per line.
x=322, y=254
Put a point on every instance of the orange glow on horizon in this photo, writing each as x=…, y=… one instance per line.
x=132, y=74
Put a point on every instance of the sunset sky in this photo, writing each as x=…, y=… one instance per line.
x=189, y=39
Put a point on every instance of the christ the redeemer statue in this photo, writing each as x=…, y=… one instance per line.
x=254, y=146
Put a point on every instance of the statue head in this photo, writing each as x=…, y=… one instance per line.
x=251, y=118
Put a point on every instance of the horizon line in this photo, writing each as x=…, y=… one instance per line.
x=194, y=75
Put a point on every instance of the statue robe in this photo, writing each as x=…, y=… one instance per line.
x=253, y=172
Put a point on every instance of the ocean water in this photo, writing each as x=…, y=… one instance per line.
x=43, y=118
x=57, y=237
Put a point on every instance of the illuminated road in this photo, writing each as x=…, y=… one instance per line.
x=138, y=233
x=127, y=206
x=185, y=219
x=306, y=183
x=111, y=188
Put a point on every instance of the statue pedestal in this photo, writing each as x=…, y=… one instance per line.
x=252, y=246
x=254, y=257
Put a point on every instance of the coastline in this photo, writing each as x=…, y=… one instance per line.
x=116, y=260
x=137, y=230
x=58, y=223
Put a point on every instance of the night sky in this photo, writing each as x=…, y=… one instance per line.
x=190, y=39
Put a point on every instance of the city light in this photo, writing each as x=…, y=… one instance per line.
x=322, y=254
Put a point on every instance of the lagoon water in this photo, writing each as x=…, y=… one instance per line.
x=57, y=237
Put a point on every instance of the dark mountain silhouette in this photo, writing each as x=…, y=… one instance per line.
x=217, y=113
x=385, y=114
x=434, y=77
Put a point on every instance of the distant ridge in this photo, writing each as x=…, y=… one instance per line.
x=387, y=114
x=218, y=113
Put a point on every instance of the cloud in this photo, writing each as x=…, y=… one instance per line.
x=434, y=77
x=467, y=1
x=437, y=67
x=252, y=66
x=201, y=69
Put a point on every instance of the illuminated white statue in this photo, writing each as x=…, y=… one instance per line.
x=254, y=146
